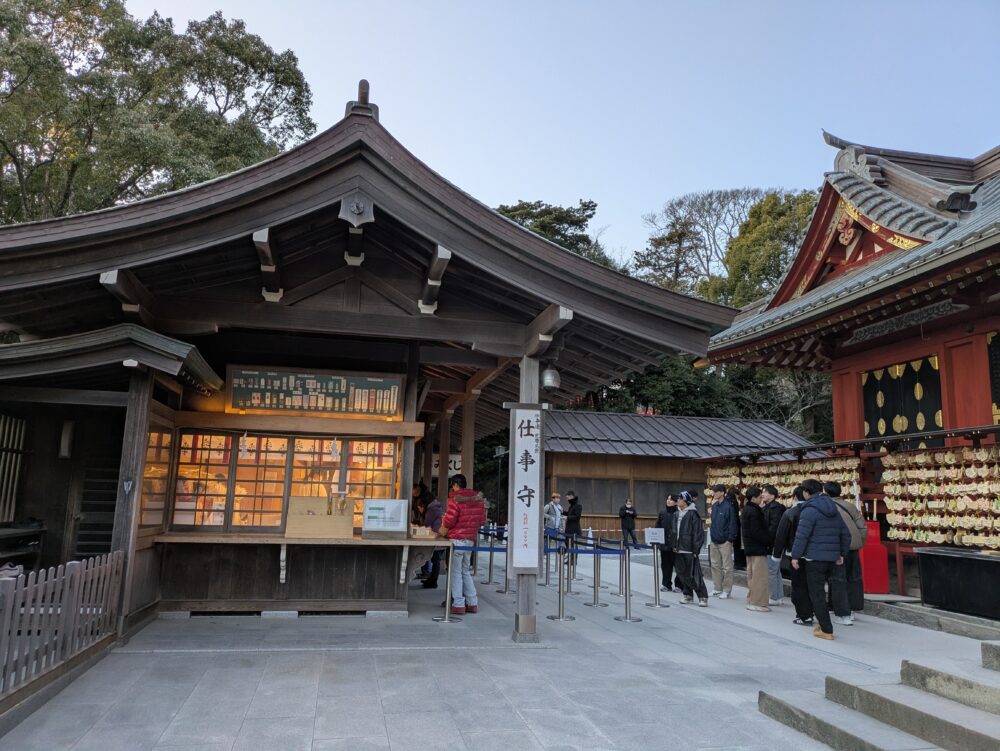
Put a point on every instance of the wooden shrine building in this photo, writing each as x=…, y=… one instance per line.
x=895, y=292
x=201, y=379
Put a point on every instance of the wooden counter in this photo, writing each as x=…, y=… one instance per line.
x=256, y=572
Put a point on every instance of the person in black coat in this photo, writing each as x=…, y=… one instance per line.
x=756, y=543
x=689, y=541
x=773, y=511
x=627, y=515
x=573, y=514
x=784, y=538
x=667, y=521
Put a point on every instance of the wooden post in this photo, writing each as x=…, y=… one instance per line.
x=407, y=455
x=469, y=440
x=525, y=629
x=133, y=461
x=428, y=457
x=444, y=450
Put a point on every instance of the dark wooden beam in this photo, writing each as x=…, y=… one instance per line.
x=263, y=240
x=542, y=330
x=317, y=285
x=85, y=397
x=431, y=355
x=481, y=334
x=435, y=274
x=355, y=253
x=475, y=385
x=446, y=385
x=136, y=300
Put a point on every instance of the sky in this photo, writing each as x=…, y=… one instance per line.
x=633, y=103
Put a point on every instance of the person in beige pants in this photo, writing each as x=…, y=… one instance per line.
x=756, y=543
x=723, y=531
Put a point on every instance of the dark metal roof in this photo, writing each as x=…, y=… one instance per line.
x=665, y=436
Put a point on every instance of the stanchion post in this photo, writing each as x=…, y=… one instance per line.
x=597, y=580
x=596, y=603
x=545, y=541
x=657, y=557
x=448, y=617
x=493, y=540
x=628, y=617
x=475, y=553
x=571, y=574
x=562, y=590
x=621, y=570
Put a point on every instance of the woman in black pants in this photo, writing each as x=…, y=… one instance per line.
x=667, y=521
x=627, y=514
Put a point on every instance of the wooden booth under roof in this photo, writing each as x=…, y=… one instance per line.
x=607, y=457
x=207, y=376
x=895, y=292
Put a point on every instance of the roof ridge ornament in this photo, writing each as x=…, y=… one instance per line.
x=362, y=106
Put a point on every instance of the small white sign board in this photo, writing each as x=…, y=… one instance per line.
x=654, y=536
x=386, y=515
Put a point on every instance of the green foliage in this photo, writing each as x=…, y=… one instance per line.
x=565, y=226
x=98, y=108
x=674, y=388
x=756, y=259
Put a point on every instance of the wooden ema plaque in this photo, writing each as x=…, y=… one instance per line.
x=264, y=391
x=315, y=516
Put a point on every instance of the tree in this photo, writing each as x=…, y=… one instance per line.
x=98, y=108
x=756, y=259
x=691, y=234
x=566, y=226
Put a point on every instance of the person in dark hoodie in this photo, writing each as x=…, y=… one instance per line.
x=823, y=540
x=756, y=543
x=667, y=521
x=627, y=515
x=723, y=531
x=858, y=528
x=689, y=541
x=773, y=511
x=784, y=538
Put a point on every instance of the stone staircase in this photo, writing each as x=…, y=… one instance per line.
x=936, y=704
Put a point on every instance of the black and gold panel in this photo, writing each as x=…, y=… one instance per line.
x=993, y=351
x=903, y=398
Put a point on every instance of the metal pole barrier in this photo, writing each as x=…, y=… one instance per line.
x=506, y=562
x=493, y=538
x=657, y=559
x=475, y=554
x=545, y=540
x=628, y=617
x=621, y=571
x=597, y=577
x=448, y=617
x=562, y=590
x=571, y=574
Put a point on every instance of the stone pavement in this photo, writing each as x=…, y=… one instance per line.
x=683, y=678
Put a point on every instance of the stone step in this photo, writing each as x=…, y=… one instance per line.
x=837, y=726
x=963, y=681
x=915, y=614
x=941, y=721
x=991, y=654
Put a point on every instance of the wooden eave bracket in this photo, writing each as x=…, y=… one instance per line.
x=542, y=330
x=354, y=255
x=135, y=299
x=263, y=240
x=428, y=301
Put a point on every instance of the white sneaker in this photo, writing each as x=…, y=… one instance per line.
x=775, y=602
x=724, y=595
x=685, y=601
x=843, y=620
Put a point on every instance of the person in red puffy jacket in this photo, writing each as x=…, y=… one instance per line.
x=464, y=516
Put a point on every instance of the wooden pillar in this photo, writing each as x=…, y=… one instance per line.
x=428, y=457
x=126, y=522
x=444, y=449
x=525, y=626
x=409, y=414
x=469, y=441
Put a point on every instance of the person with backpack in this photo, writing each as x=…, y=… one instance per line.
x=784, y=538
x=858, y=528
x=688, y=544
x=823, y=541
x=773, y=511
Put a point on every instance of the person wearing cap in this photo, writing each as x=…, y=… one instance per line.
x=464, y=516
x=723, y=533
x=756, y=544
x=688, y=543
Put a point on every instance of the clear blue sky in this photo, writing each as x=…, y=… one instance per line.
x=632, y=103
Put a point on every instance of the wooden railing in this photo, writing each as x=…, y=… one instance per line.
x=49, y=616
